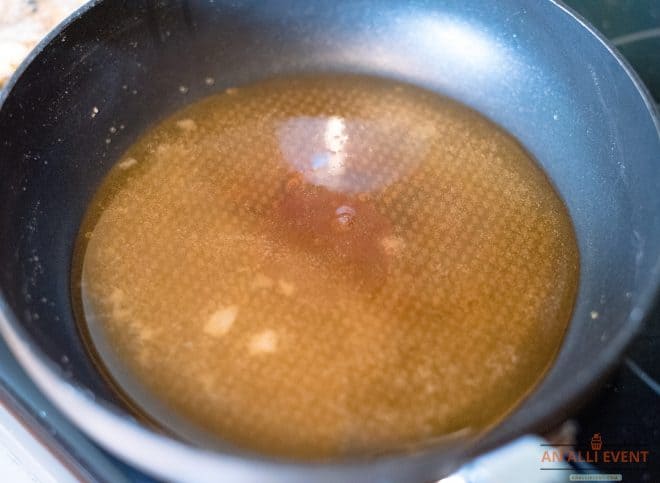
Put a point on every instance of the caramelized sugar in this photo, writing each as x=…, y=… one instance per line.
x=321, y=266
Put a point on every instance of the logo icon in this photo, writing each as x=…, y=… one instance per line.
x=596, y=442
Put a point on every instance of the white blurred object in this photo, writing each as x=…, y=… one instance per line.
x=23, y=459
x=518, y=462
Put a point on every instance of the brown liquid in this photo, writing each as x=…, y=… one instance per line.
x=321, y=266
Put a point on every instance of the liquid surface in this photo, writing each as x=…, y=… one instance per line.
x=315, y=267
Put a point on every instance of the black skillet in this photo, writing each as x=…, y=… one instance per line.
x=532, y=67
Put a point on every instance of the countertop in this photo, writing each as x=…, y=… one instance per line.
x=23, y=23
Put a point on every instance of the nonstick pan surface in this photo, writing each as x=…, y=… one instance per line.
x=532, y=67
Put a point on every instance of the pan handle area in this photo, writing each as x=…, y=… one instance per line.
x=525, y=454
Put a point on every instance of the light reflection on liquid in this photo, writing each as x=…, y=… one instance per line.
x=330, y=151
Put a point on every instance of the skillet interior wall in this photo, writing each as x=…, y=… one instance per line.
x=129, y=64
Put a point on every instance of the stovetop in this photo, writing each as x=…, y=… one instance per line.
x=625, y=414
